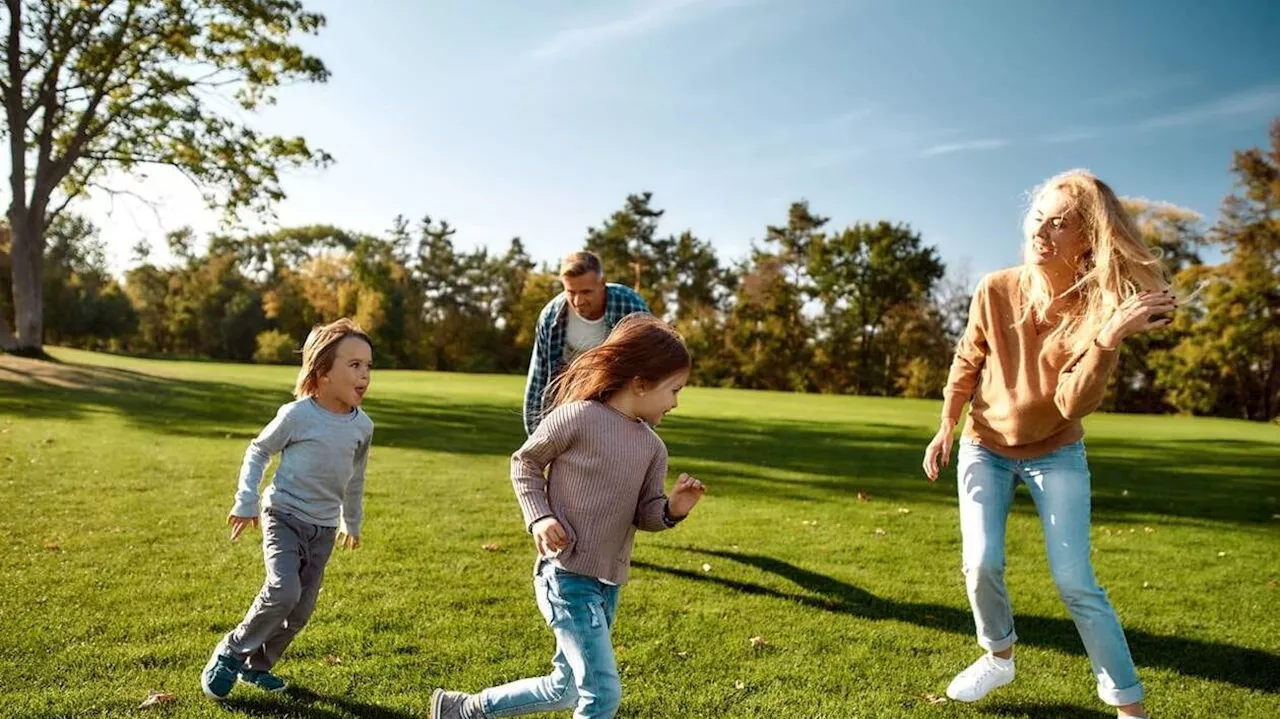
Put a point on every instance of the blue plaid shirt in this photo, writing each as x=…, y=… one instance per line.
x=548, y=346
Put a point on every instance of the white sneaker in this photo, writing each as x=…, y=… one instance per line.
x=988, y=673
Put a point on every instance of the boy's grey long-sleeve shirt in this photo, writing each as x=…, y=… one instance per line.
x=322, y=464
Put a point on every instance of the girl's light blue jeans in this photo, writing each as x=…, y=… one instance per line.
x=584, y=676
x=1059, y=485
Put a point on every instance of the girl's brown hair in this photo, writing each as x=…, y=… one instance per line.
x=640, y=346
x=319, y=351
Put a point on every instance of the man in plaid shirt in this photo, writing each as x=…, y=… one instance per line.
x=577, y=319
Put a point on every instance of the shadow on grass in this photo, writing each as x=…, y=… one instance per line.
x=204, y=408
x=1043, y=711
x=1240, y=666
x=302, y=702
x=1190, y=479
x=1231, y=481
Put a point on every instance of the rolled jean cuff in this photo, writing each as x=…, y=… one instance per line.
x=1000, y=645
x=1121, y=697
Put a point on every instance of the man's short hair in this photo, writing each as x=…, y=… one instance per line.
x=577, y=264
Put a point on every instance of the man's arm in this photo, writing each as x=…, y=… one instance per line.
x=539, y=371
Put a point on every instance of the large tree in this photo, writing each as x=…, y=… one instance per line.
x=631, y=251
x=1177, y=235
x=1228, y=359
x=859, y=275
x=94, y=89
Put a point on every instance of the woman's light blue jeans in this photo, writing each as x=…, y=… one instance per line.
x=584, y=676
x=1059, y=485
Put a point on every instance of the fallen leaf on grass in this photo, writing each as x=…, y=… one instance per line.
x=1272, y=584
x=864, y=497
x=739, y=685
x=491, y=547
x=759, y=642
x=903, y=510
x=880, y=532
x=155, y=699
x=1148, y=530
x=52, y=547
x=933, y=699
x=333, y=660
x=706, y=567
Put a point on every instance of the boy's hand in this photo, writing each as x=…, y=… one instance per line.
x=549, y=535
x=239, y=523
x=684, y=495
x=348, y=541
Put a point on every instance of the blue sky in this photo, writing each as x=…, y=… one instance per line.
x=537, y=118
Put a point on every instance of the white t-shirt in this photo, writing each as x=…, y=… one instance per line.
x=581, y=335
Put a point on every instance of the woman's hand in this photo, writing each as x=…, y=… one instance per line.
x=938, y=454
x=1139, y=313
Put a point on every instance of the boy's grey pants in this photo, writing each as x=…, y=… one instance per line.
x=295, y=553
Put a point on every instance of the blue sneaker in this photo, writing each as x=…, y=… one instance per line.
x=220, y=675
x=265, y=681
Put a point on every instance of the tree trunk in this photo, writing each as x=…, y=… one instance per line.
x=8, y=342
x=28, y=282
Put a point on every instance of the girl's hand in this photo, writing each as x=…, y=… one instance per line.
x=684, y=495
x=550, y=536
x=939, y=450
x=1139, y=313
x=348, y=541
x=239, y=523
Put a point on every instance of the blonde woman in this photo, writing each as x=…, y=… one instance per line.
x=1041, y=342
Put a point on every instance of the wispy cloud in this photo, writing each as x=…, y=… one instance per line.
x=1137, y=93
x=966, y=146
x=648, y=17
x=823, y=130
x=1256, y=101
x=1062, y=138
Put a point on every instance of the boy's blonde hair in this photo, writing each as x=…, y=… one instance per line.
x=319, y=351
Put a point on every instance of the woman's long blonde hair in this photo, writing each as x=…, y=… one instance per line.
x=1116, y=264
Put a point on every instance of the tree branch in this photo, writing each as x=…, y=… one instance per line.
x=51, y=216
x=13, y=105
x=59, y=52
x=50, y=172
x=113, y=194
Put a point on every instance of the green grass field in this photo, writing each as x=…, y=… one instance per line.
x=117, y=578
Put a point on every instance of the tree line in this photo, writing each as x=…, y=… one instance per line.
x=867, y=309
x=96, y=91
